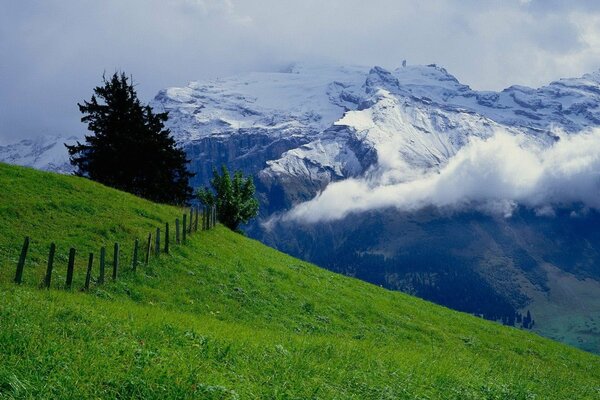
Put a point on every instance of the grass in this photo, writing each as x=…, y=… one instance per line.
x=225, y=317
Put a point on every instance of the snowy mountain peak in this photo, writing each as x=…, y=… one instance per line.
x=591, y=76
x=320, y=123
x=44, y=152
x=380, y=78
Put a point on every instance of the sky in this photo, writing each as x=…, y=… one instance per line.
x=53, y=52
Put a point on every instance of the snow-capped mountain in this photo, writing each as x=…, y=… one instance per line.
x=324, y=123
x=44, y=152
x=301, y=128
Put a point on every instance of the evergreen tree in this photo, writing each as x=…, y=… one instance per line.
x=130, y=149
x=234, y=198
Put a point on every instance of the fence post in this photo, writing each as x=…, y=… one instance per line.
x=167, y=238
x=196, y=219
x=184, y=228
x=102, y=265
x=206, y=216
x=191, y=220
x=157, y=245
x=177, y=239
x=148, y=248
x=115, y=262
x=88, y=275
x=70, y=268
x=21, y=263
x=48, y=277
x=136, y=244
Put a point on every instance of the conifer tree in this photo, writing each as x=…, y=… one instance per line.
x=129, y=148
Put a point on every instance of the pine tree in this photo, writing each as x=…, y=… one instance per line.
x=130, y=149
x=234, y=198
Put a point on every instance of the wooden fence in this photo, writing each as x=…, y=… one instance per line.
x=189, y=225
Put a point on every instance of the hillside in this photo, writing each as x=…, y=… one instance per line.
x=226, y=317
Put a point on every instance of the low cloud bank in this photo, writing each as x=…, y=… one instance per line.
x=493, y=175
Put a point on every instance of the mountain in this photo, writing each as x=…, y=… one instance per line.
x=226, y=317
x=371, y=131
x=292, y=120
x=44, y=152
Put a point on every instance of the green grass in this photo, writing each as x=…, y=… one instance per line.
x=226, y=317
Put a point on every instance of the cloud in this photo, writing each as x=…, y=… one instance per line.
x=493, y=175
x=54, y=51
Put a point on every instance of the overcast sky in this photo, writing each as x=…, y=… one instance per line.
x=53, y=52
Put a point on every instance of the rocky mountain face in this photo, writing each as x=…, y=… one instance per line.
x=301, y=129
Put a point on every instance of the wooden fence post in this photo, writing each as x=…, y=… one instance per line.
x=167, y=238
x=136, y=244
x=70, y=268
x=196, y=219
x=191, y=221
x=48, y=277
x=116, y=262
x=177, y=239
x=148, y=248
x=205, y=211
x=88, y=275
x=184, y=227
x=157, y=245
x=102, y=265
x=21, y=263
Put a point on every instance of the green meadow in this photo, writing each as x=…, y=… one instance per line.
x=225, y=317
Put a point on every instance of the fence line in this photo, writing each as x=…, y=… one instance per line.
x=188, y=227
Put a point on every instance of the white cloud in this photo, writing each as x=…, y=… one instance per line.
x=493, y=175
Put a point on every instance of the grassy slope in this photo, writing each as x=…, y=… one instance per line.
x=226, y=317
